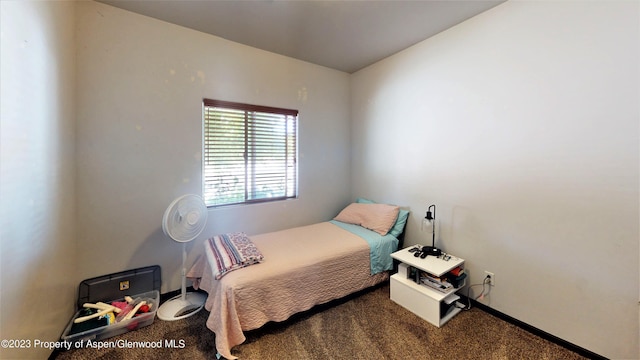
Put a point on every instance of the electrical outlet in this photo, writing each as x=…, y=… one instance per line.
x=492, y=278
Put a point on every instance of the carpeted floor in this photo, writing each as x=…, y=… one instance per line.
x=367, y=326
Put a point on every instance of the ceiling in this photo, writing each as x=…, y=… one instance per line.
x=343, y=35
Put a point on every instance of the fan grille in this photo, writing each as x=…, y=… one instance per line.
x=185, y=218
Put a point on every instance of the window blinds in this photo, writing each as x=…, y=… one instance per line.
x=250, y=153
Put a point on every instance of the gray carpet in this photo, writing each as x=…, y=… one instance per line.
x=367, y=326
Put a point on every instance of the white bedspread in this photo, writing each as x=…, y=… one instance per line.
x=302, y=267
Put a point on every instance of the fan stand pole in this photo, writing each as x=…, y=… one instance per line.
x=184, y=272
x=185, y=304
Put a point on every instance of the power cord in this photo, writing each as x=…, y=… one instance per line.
x=484, y=285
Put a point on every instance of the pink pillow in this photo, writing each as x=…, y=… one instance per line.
x=377, y=217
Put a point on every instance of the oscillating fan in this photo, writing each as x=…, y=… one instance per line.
x=183, y=221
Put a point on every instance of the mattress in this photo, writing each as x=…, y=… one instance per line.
x=302, y=267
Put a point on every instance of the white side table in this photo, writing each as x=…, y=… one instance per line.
x=435, y=306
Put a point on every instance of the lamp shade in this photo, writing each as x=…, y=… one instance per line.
x=428, y=225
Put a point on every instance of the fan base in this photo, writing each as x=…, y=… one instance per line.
x=176, y=308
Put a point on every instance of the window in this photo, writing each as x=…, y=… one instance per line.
x=250, y=153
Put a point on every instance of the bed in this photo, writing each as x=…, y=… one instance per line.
x=302, y=267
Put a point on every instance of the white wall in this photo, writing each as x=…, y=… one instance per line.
x=37, y=173
x=140, y=87
x=522, y=125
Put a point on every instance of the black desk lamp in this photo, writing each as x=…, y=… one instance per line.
x=430, y=220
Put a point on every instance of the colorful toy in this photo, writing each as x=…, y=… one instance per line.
x=125, y=310
x=104, y=310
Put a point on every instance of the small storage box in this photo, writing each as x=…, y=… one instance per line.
x=143, y=283
x=107, y=331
